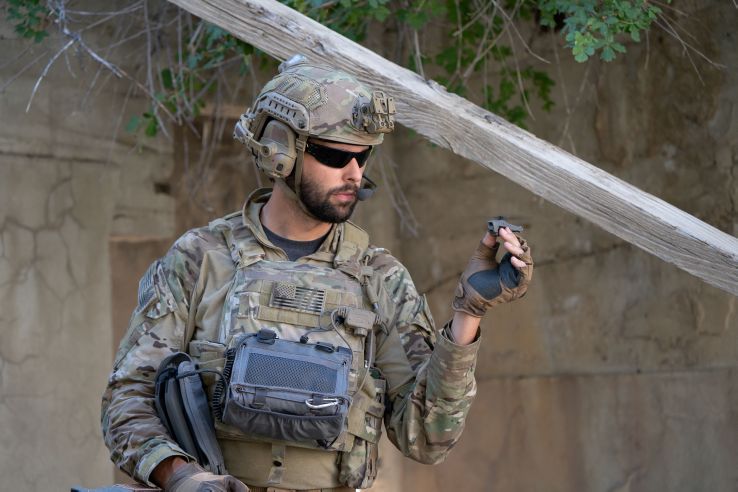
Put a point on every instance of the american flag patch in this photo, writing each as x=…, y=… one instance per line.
x=295, y=298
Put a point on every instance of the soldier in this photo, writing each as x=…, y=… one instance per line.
x=305, y=335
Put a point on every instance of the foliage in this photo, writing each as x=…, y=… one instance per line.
x=185, y=87
x=592, y=25
x=29, y=18
x=479, y=44
x=469, y=53
x=478, y=61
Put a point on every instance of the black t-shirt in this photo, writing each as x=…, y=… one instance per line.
x=294, y=249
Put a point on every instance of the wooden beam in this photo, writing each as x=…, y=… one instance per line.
x=472, y=132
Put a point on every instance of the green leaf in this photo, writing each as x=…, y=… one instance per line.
x=516, y=115
x=166, y=79
x=417, y=20
x=381, y=13
x=245, y=48
x=507, y=89
x=607, y=54
x=39, y=36
x=618, y=47
x=152, y=127
x=133, y=124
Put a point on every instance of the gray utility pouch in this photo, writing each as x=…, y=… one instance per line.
x=286, y=390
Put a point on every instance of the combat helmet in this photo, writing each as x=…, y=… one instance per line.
x=305, y=100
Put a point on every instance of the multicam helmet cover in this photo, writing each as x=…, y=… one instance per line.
x=322, y=103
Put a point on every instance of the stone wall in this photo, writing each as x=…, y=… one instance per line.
x=617, y=372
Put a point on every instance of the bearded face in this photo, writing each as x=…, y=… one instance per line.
x=334, y=205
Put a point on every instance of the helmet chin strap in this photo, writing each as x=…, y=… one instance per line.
x=293, y=196
x=294, y=193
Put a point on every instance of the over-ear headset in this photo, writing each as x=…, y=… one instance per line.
x=275, y=152
x=278, y=150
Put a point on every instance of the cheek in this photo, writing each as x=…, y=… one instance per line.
x=309, y=164
x=310, y=169
x=313, y=168
x=317, y=173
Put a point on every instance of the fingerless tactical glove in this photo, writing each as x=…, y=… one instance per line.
x=192, y=478
x=486, y=283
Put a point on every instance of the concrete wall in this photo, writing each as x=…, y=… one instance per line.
x=616, y=372
x=65, y=189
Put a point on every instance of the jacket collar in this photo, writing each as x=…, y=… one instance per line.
x=250, y=214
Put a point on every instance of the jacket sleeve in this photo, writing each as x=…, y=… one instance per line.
x=430, y=379
x=137, y=439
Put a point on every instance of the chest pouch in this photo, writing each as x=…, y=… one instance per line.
x=285, y=390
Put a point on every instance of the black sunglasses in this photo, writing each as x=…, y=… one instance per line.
x=336, y=158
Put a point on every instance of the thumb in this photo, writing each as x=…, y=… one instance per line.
x=487, y=249
x=235, y=485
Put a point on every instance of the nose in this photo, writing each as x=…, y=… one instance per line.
x=352, y=171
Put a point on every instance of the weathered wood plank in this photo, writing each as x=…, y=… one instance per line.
x=470, y=131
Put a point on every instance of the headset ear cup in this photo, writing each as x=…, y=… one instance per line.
x=277, y=153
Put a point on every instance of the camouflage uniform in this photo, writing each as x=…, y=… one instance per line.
x=430, y=381
x=185, y=301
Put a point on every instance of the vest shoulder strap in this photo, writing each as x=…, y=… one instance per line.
x=351, y=249
x=356, y=235
x=242, y=244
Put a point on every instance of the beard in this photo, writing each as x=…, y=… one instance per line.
x=317, y=201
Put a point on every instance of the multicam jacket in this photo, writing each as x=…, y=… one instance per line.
x=429, y=379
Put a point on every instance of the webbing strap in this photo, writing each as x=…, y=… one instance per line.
x=353, y=245
x=276, y=473
x=355, y=235
x=241, y=257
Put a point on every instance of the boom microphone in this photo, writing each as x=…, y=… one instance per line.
x=364, y=194
x=367, y=189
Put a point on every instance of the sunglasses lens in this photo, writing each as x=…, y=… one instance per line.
x=336, y=158
x=362, y=157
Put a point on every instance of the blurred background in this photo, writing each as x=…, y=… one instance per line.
x=617, y=372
